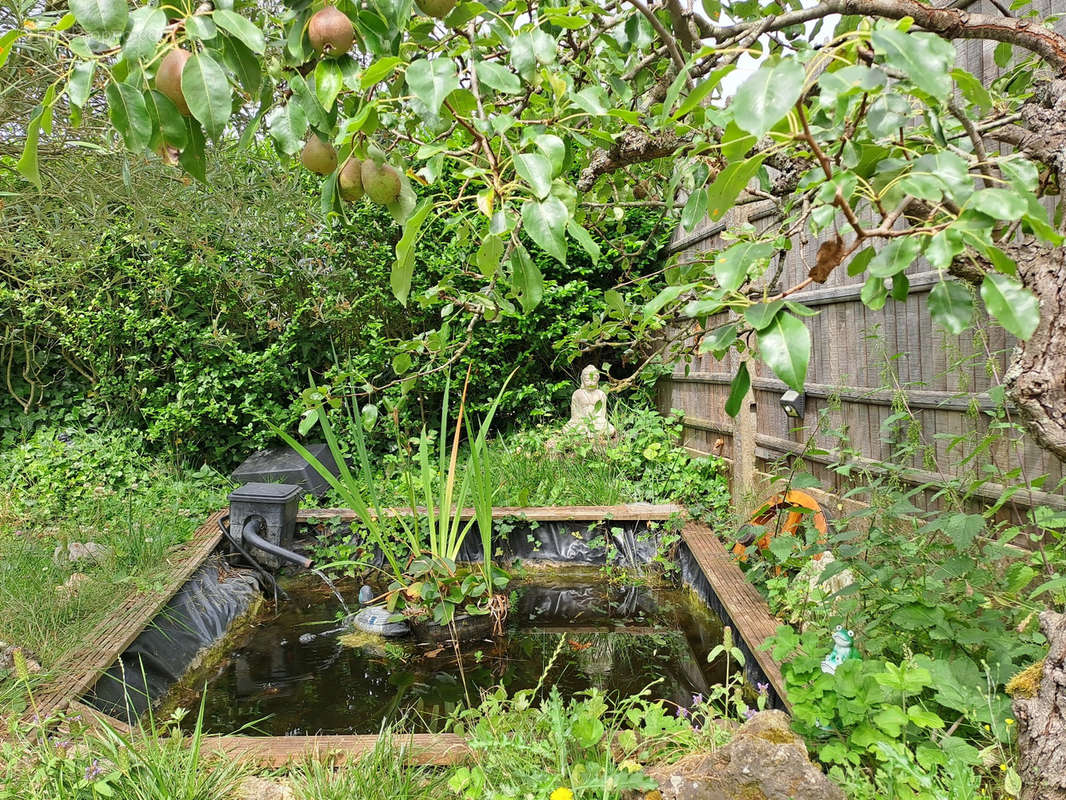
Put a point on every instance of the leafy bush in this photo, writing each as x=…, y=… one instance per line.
x=175, y=321
x=943, y=607
x=63, y=473
x=577, y=749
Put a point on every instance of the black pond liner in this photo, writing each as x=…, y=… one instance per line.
x=194, y=619
x=200, y=614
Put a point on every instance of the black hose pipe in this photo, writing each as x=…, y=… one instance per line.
x=270, y=579
x=250, y=535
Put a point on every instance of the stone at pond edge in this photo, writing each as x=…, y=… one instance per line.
x=764, y=761
x=89, y=552
x=258, y=789
x=7, y=658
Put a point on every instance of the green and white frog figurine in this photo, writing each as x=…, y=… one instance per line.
x=843, y=650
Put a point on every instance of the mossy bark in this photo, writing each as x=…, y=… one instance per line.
x=1042, y=720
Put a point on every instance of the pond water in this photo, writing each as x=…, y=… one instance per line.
x=617, y=638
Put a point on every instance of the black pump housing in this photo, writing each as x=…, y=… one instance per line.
x=275, y=504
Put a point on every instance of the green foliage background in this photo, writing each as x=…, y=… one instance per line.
x=194, y=319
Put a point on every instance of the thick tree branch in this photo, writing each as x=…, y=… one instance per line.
x=1042, y=134
x=1036, y=377
x=664, y=34
x=951, y=23
x=633, y=146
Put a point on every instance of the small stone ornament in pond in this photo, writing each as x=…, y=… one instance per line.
x=366, y=595
x=843, y=650
x=588, y=407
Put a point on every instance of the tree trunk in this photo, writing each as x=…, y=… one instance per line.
x=1036, y=377
x=1042, y=720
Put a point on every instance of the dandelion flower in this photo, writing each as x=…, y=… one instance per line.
x=562, y=793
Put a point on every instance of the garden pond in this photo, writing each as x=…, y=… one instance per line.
x=568, y=624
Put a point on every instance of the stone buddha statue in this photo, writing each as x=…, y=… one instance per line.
x=588, y=407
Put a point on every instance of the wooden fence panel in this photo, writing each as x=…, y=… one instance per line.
x=865, y=365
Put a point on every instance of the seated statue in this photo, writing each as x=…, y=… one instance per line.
x=588, y=407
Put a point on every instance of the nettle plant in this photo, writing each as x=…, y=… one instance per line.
x=557, y=116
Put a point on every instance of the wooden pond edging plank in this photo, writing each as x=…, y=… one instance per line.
x=622, y=513
x=78, y=670
x=439, y=749
x=750, y=615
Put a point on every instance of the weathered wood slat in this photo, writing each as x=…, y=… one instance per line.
x=78, y=670
x=746, y=607
x=277, y=751
x=629, y=511
x=916, y=398
x=770, y=448
x=97, y=719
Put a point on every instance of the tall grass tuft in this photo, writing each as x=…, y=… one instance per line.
x=382, y=774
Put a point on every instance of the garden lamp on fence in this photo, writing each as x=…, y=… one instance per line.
x=793, y=403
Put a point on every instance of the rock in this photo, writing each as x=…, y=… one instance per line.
x=69, y=590
x=89, y=552
x=253, y=788
x=7, y=658
x=765, y=761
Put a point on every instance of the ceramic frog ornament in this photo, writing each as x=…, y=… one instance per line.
x=843, y=650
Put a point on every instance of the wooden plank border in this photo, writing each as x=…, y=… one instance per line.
x=78, y=670
x=745, y=607
x=436, y=749
x=623, y=513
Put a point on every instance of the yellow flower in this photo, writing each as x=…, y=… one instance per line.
x=1003, y=767
x=1010, y=721
x=562, y=793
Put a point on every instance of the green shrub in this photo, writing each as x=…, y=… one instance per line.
x=60, y=473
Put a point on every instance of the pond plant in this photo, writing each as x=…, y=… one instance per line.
x=422, y=542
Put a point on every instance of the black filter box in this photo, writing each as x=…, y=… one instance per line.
x=284, y=465
x=276, y=504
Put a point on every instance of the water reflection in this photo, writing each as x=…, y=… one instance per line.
x=616, y=639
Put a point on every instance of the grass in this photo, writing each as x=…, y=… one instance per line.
x=527, y=474
x=153, y=762
x=382, y=774
x=137, y=522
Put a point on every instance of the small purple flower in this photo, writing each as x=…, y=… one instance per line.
x=682, y=712
x=696, y=699
x=94, y=770
x=764, y=688
x=749, y=713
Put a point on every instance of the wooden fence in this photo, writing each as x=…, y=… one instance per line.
x=865, y=367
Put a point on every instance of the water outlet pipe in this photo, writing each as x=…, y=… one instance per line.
x=249, y=534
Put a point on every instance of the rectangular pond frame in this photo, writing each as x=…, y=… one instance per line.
x=706, y=567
